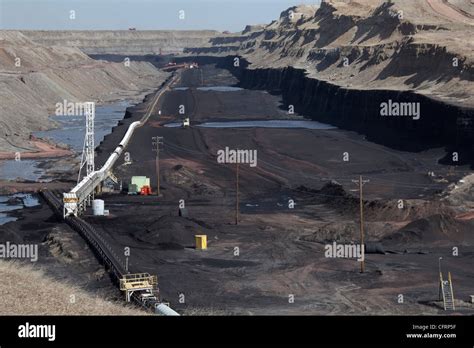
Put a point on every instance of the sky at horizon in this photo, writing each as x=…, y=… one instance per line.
x=221, y=15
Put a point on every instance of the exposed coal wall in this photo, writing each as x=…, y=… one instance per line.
x=440, y=124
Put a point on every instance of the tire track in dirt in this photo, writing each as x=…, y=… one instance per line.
x=447, y=10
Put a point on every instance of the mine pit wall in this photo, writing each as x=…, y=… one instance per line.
x=440, y=124
x=123, y=42
x=359, y=110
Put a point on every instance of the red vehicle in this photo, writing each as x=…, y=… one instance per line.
x=145, y=191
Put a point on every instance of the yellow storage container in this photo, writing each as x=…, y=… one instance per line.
x=201, y=241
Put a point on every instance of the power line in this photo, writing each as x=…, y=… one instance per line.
x=340, y=179
x=361, y=219
x=237, y=194
x=157, y=142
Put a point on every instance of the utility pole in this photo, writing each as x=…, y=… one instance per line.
x=361, y=183
x=237, y=195
x=440, y=291
x=157, y=143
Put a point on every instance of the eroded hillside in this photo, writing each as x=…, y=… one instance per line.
x=34, y=77
x=422, y=45
x=124, y=42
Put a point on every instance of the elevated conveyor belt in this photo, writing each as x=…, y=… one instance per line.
x=75, y=200
x=141, y=288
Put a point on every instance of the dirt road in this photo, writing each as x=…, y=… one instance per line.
x=43, y=150
x=447, y=10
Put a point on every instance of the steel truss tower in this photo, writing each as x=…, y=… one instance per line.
x=88, y=148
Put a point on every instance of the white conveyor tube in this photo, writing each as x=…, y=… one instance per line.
x=165, y=310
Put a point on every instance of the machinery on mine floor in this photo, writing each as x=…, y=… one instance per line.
x=446, y=292
x=145, y=191
x=142, y=285
x=172, y=66
x=186, y=123
x=139, y=185
x=140, y=288
x=76, y=200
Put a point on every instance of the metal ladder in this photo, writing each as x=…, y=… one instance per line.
x=446, y=291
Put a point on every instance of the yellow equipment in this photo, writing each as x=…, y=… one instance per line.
x=138, y=282
x=446, y=292
x=201, y=241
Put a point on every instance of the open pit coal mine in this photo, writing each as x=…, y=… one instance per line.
x=442, y=125
x=318, y=167
x=293, y=205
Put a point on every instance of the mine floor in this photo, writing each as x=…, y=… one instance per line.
x=277, y=253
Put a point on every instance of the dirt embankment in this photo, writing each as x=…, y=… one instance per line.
x=338, y=63
x=361, y=44
x=440, y=124
x=42, y=149
x=125, y=42
x=34, y=77
x=40, y=294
